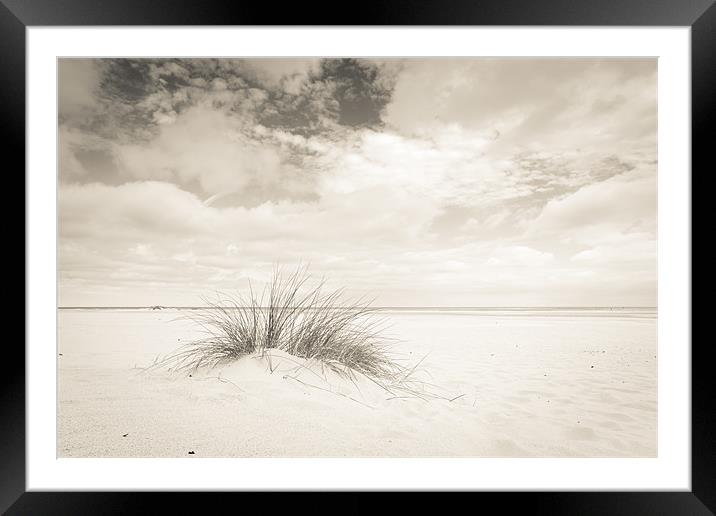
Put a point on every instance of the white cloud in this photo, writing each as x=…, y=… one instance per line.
x=288, y=74
x=141, y=250
x=603, y=211
x=532, y=104
x=519, y=255
x=638, y=252
x=204, y=146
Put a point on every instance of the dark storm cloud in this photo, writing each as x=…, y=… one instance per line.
x=344, y=92
x=347, y=92
x=360, y=96
x=127, y=80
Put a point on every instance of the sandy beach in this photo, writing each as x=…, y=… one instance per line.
x=515, y=383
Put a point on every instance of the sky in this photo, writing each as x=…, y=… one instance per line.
x=413, y=182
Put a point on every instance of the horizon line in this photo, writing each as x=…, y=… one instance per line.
x=376, y=307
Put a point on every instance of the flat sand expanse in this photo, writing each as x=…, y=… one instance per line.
x=522, y=384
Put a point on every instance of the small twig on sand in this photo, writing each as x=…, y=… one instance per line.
x=328, y=390
x=222, y=380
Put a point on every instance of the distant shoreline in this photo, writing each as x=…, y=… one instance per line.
x=405, y=308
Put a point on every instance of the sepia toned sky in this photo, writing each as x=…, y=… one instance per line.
x=419, y=182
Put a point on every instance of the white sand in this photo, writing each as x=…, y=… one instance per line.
x=576, y=384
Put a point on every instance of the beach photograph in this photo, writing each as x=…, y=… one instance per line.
x=357, y=257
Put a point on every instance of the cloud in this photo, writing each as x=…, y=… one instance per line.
x=603, y=211
x=286, y=74
x=639, y=252
x=146, y=210
x=532, y=104
x=421, y=182
x=201, y=146
x=519, y=255
x=155, y=233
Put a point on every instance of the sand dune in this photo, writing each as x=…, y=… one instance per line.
x=521, y=384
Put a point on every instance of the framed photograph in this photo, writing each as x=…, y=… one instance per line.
x=432, y=250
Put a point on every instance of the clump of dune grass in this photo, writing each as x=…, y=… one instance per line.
x=305, y=321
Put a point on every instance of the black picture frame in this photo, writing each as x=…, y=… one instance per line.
x=17, y=15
